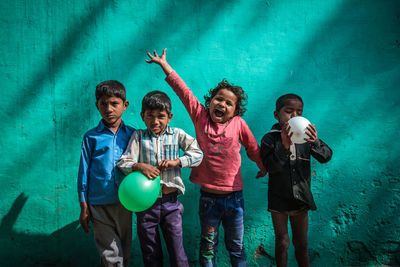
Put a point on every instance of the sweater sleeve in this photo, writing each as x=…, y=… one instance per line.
x=274, y=155
x=250, y=144
x=192, y=105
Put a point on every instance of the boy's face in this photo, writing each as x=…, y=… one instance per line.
x=111, y=109
x=222, y=106
x=156, y=120
x=292, y=108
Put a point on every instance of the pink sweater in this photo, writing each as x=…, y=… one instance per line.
x=220, y=168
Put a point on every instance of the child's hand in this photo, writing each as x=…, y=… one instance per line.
x=160, y=60
x=261, y=174
x=312, y=133
x=285, y=135
x=148, y=170
x=166, y=164
x=84, y=217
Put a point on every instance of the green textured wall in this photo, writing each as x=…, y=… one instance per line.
x=342, y=57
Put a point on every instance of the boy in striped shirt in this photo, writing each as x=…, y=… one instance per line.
x=156, y=151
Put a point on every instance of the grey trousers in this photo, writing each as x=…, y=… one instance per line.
x=112, y=228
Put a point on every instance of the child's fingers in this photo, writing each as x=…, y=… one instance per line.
x=164, y=52
x=151, y=58
x=311, y=133
x=311, y=129
x=162, y=164
x=155, y=53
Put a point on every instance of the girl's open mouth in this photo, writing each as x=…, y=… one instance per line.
x=218, y=113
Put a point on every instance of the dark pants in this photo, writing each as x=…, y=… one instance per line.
x=166, y=213
x=228, y=209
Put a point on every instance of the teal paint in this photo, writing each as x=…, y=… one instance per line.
x=342, y=57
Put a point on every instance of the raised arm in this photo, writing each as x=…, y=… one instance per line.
x=192, y=105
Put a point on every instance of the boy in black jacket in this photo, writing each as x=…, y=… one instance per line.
x=289, y=192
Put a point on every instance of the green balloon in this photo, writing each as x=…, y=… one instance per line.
x=137, y=192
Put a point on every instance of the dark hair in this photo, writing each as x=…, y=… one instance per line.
x=156, y=100
x=284, y=99
x=237, y=90
x=110, y=88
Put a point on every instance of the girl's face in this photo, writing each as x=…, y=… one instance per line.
x=291, y=109
x=222, y=106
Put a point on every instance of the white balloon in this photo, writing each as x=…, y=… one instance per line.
x=298, y=125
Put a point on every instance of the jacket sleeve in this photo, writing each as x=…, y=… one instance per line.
x=131, y=154
x=321, y=151
x=250, y=144
x=83, y=173
x=192, y=154
x=274, y=155
x=191, y=103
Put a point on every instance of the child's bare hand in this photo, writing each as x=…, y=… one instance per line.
x=286, y=136
x=156, y=58
x=261, y=174
x=148, y=170
x=160, y=60
x=312, y=133
x=166, y=164
x=84, y=217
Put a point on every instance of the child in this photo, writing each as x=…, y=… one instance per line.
x=98, y=177
x=289, y=192
x=219, y=128
x=155, y=151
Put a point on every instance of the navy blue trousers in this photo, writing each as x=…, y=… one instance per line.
x=166, y=213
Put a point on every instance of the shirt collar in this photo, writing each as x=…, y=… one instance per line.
x=101, y=127
x=276, y=128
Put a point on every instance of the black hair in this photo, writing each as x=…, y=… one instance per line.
x=284, y=99
x=237, y=90
x=110, y=88
x=156, y=100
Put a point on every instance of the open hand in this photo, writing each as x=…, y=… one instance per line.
x=160, y=60
x=312, y=133
x=156, y=58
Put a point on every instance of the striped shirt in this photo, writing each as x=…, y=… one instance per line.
x=146, y=147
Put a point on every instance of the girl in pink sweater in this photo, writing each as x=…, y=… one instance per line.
x=219, y=128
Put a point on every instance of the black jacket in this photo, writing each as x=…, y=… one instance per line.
x=289, y=186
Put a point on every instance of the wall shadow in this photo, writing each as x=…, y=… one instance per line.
x=68, y=246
